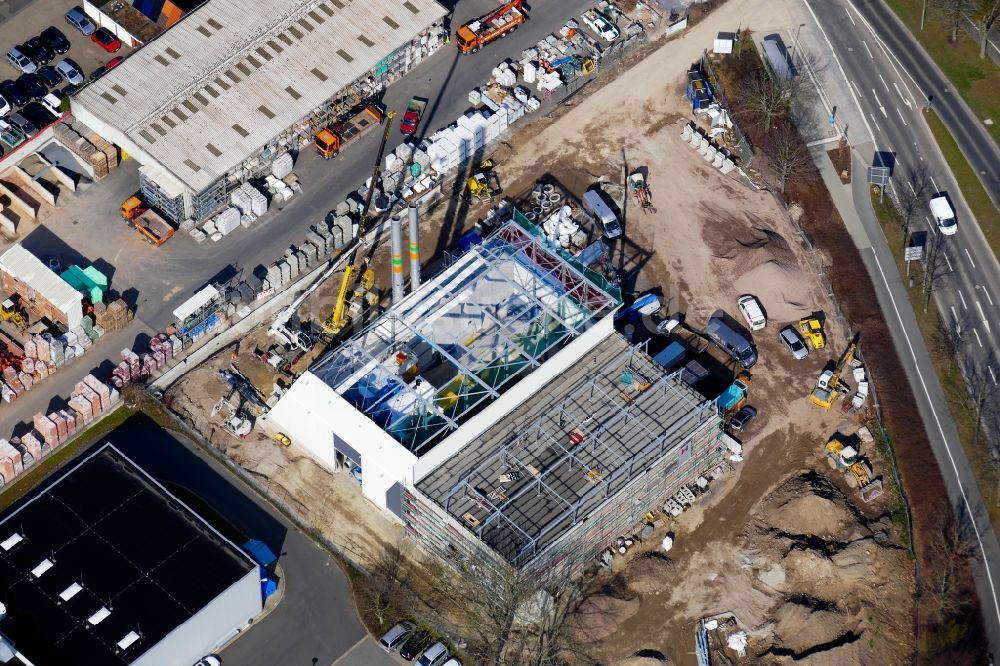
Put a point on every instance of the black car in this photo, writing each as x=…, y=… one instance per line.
x=13, y=93
x=38, y=51
x=55, y=39
x=414, y=645
x=34, y=85
x=67, y=91
x=98, y=73
x=49, y=75
x=743, y=418
x=38, y=115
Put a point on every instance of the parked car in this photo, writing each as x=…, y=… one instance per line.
x=111, y=64
x=26, y=126
x=10, y=134
x=791, y=339
x=98, y=73
x=33, y=84
x=67, y=91
x=742, y=418
x=435, y=655
x=414, y=645
x=395, y=637
x=38, y=50
x=594, y=204
x=76, y=18
x=55, y=40
x=13, y=93
x=209, y=660
x=49, y=75
x=752, y=312
x=20, y=60
x=53, y=104
x=453, y=662
x=106, y=40
x=70, y=71
x=38, y=115
x=601, y=25
x=5, y=107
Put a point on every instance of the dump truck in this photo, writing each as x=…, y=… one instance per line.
x=329, y=141
x=153, y=228
x=496, y=24
x=411, y=117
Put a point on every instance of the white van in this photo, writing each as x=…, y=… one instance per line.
x=752, y=312
x=594, y=204
x=943, y=215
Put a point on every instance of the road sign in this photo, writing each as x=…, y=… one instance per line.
x=914, y=253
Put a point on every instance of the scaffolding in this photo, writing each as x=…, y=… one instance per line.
x=458, y=342
x=559, y=478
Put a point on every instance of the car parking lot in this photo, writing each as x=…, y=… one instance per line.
x=29, y=23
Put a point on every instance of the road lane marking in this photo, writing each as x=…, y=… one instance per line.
x=905, y=124
x=992, y=375
x=964, y=306
x=850, y=17
x=874, y=121
x=986, y=291
x=882, y=109
x=905, y=99
x=934, y=184
x=870, y=54
x=970, y=257
x=986, y=322
x=886, y=85
x=951, y=269
x=978, y=339
x=857, y=89
x=958, y=326
x=910, y=185
x=892, y=57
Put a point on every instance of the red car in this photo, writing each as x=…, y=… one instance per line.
x=106, y=40
x=114, y=61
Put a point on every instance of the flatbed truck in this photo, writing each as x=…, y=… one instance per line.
x=329, y=141
x=153, y=228
x=498, y=23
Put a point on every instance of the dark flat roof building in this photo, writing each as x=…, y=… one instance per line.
x=104, y=566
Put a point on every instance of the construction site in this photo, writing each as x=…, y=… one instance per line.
x=516, y=403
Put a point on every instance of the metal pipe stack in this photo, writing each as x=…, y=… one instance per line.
x=398, y=290
x=414, y=247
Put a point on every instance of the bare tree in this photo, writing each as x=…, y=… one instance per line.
x=947, y=579
x=387, y=580
x=763, y=98
x=935, y=265
x=912, y=197
x=984, y=14
x=951, y=13
x=951, y=335
x=983, y=389
x=790, y=158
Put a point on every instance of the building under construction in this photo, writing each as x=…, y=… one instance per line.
x=497, y=413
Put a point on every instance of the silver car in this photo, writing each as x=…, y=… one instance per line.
x=791, y=339
x=70, y=71
x=76, y=18
x=19, y=59
x=397, y=636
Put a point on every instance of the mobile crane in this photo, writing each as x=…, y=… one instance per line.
x=828, y=384
x=340, y=317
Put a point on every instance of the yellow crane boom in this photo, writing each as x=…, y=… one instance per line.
x=825, y=392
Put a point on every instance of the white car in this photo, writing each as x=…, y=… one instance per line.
x=604, y=28
x=943, y=215
x=4, y=106
x=752, y=312
x=209, y=660
x=70, y=71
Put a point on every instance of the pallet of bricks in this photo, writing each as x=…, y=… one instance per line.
x=87, y=145
x=134, y=367
x=113, y=316
x=11, y=462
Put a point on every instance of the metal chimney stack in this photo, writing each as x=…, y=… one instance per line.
x=398, y=291
x=414, y=247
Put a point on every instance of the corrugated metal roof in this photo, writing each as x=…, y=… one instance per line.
x=29, y=269
x=237, y=60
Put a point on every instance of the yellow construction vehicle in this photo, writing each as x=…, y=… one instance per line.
x=485, y=183
x=282, y=438
x=828, y=384
x=857, y=470
x=340, y=317
x=811, y=329
x=9, y=311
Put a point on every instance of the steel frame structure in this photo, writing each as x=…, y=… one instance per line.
x=540, y=300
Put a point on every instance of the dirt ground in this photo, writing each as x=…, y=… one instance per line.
x=783, y=544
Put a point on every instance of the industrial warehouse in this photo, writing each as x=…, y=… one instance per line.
x=215, y=99
x=104, y=566
x=496, y=405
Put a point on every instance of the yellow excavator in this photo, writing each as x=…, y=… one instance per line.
x=828, y=384
x=340, y=317
x=9, y=311
x=811, y=329
x=485, y=183
x=857, y=469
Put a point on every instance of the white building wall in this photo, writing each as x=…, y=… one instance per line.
x=312, y=415
x=210, y=627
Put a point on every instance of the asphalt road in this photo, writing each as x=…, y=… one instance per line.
x=898, y=137
x=315, y=622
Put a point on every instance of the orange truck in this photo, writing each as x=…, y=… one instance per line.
x=329, y=141
x=153, y=228
x=496, y=24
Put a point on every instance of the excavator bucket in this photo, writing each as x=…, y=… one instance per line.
x=871, y=491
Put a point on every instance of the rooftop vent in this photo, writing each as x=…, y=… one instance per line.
x=212, y=91
x=109, y=97
x=212, y=149
x=147, y=136
x=389, y=22
x=215, y=24
x=345, y=55
x=338, y=4
x=364, y=40
x=190, y=164
x=409, y=5
x=180, y=114
x=263, y=53
x=266, y=111
x=253, y=61
x=118, y=89
x=286, y=39
x=306, y=25
x=295, y=32
x=318, y=74
x=326, y=10
x=314, y=15
x=203, y=30
x=173, y=54
x=200, y=98
x=239, y=130
x=243, y=67
x=189, y=105
x=275, y=46
x=160, y=59
x=293, y=92
x=159, y=130
x=169, y=122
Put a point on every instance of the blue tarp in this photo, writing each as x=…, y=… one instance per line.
x=260, y=552
x=671, y=357
x=267, y=587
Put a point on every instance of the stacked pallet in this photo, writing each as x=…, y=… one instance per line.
x=114, y=316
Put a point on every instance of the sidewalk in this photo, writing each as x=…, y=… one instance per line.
x=851, y=202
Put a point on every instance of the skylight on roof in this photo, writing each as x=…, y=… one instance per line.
x=130, y=638
x=70, y=592
x=11, y=541
x=98, y=617
x=42, y=567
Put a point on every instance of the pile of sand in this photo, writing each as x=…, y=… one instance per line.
x=811, y=515
x=800, y=627
x=781, y=289
x=650, y=574
x=600, y=615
